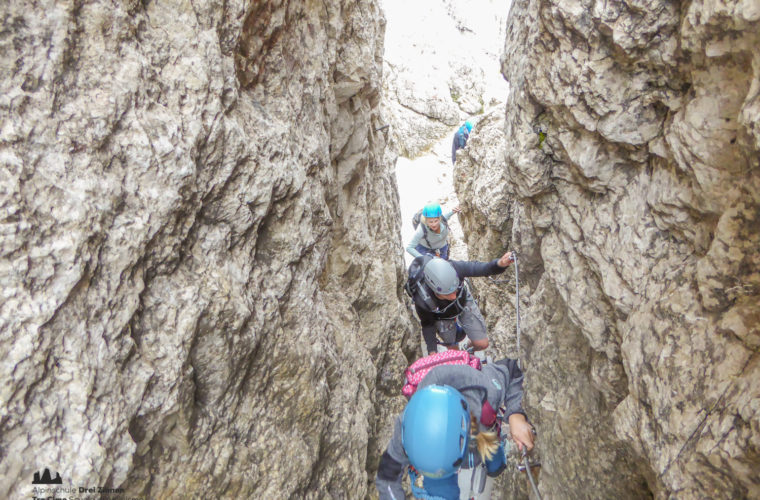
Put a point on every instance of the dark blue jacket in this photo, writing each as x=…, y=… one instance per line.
x=460, y=141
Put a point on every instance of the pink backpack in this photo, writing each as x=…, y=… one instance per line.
x=417, y=371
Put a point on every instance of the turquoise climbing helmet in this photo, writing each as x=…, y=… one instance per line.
x=432, y=210
x=468, y=125
x=435, y=430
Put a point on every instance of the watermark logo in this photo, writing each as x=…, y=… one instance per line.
x=46, y=478
x=49, y=486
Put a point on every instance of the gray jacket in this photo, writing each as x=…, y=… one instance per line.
x=503, y=383
x=434, y=240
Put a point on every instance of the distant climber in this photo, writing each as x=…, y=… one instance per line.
x=450, y=423
x=460, y=140
x=443, y=302
x=431, y=237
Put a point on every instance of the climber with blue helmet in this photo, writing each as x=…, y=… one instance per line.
x=460, y=140
x=436, y=450
x=450, y=423
x=443, y=302
x=431, y=236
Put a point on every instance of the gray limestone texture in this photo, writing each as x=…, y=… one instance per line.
x=625, y=172
x=200, y=258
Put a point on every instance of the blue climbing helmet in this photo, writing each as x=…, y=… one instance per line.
x=468, y=126
x=432, y=210
x=435, y=430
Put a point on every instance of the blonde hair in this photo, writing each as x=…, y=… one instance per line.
x=487, y=441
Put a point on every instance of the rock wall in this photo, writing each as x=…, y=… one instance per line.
x=200, y=262
x=630, y=186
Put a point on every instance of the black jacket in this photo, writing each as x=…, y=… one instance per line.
x=433, y=312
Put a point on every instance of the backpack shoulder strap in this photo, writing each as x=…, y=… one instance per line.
x=424, y=235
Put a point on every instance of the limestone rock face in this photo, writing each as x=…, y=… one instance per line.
x=201, y=267
x=630, y=186
x=440, y=68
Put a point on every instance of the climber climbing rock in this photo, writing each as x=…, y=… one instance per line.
x=443, y=302
x=451, y=423
x=460, y=140
x=432, y=231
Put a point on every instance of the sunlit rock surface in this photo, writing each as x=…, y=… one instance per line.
x=630, y=186
x=441, y=66
x=200, y=265
x=201, y=268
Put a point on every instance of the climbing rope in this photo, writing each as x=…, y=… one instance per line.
x=519, y=357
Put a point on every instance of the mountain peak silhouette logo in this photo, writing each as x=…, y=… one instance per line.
x=46, y=479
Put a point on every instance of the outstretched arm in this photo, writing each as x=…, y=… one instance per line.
x=506, y=260
x=475, y=268
x=513, y=391
x=521, y=430
x=448, y=215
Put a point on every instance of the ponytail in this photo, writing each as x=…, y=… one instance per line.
x=487, y=441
